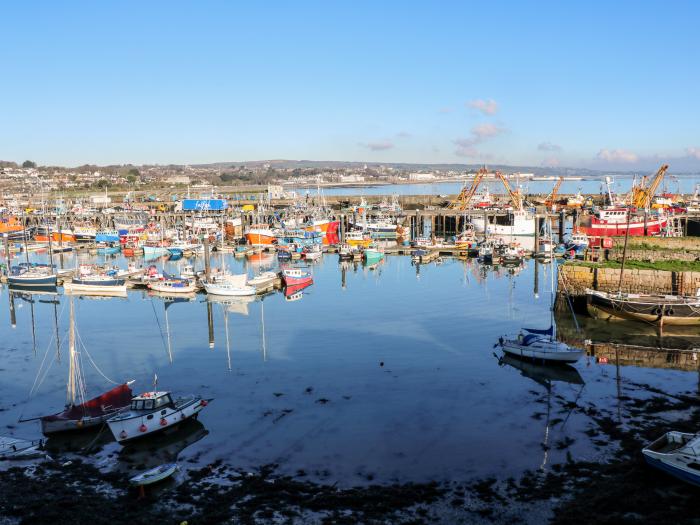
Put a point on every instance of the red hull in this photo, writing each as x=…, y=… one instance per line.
x=636, y=228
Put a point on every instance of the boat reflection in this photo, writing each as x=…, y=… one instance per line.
x=295, y=292
x=543, y=374
x=163, y=447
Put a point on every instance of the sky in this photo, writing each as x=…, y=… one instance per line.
x=602, y=85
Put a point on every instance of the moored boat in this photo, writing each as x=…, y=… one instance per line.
x=296, y=276
x=153, y=412
x=651, y=308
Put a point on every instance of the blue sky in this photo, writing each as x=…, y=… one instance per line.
x=611, y=85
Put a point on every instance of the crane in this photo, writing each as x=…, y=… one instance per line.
x=643, y=193
x=465, y=196
x=515, y=196
x=552, y=197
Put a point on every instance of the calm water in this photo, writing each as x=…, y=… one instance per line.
x=621, y=185
x=315, y=395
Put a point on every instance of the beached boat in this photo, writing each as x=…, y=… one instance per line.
x=154, y=475
x=676, y=453
x=577, y=242
x=90, y=413
x=650, y=308
x=296, y=276
x=18, y=449
x=153, y=412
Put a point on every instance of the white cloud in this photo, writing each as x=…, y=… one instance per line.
x=479, y=133
x=404, y=135
x=548, y=146
x=617, y=155
x=381, y=145
x=487, y=107
x=693, y=152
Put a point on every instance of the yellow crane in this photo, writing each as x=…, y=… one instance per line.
x=515, y=196
x=643, y=194
x=465, y=196
x=552, y=197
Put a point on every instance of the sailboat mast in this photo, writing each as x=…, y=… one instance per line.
x=73, y=364
x=552, y=270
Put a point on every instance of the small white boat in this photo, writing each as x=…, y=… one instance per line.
x=169, y=286
x=155, y=474
x=263, y=280
x=541, y=347
x=676, y=453
x=13, y=448
x=153, y=412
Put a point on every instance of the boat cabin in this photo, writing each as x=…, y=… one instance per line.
x=151, y=401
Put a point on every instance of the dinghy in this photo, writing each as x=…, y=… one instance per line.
x=676, y=453
x=155, y=474
x=14, y=448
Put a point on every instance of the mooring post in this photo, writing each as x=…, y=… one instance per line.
x=207, y=262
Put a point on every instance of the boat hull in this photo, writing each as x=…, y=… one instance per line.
x=540, y=354
x=260, y=239
x=598, y=228
x=44, y=280
x=138, y=427
x=662, y=310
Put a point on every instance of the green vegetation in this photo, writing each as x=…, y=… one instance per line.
x=668, y=266
x=29, y=164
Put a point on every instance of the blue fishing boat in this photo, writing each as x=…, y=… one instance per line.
x=106, y=249
x=108, y=236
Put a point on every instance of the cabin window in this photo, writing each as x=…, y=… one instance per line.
x=137, y=405
x=148, y=405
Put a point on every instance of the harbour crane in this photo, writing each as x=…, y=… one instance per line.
x=465, y=196
x=515, y=196
x=643, y=194
x=551, y=199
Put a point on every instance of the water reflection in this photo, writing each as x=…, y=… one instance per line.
x=373, y=373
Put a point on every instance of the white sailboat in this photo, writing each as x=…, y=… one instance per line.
x=541, y=344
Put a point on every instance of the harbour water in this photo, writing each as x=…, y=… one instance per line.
x=620, y=185
x=373, y=375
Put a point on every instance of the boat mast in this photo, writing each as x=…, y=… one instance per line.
x=73, y=358
x=624, y=252
x=552, y=270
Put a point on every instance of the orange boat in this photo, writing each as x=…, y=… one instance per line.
x=63, y=236
x=11, y=226
x=260, y=235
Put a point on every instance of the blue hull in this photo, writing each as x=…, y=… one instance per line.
x=105, y=283
x=676, y=473
x=16, y=280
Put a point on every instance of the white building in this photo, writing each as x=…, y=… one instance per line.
x=352, y=178
x=416, y=177
x=178, y=179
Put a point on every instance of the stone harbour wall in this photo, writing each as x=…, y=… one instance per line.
x=576, y=278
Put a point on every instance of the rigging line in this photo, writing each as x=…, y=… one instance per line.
x=160, y=330
x=92, y=361
x=41, y=366
x=46, y=373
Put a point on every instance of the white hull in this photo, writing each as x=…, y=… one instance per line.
x=168, y=288
x=71, y=288
x=523, y=223
x=129, y=427
x=229, y=290
x=544, y=351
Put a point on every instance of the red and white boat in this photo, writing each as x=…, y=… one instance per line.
x=260, y=235
x=296, y=277
x=612, y=221
x=324, y=225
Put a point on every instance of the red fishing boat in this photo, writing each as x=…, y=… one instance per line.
x=614, y=221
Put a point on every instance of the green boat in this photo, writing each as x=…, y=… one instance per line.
x=373, y=255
